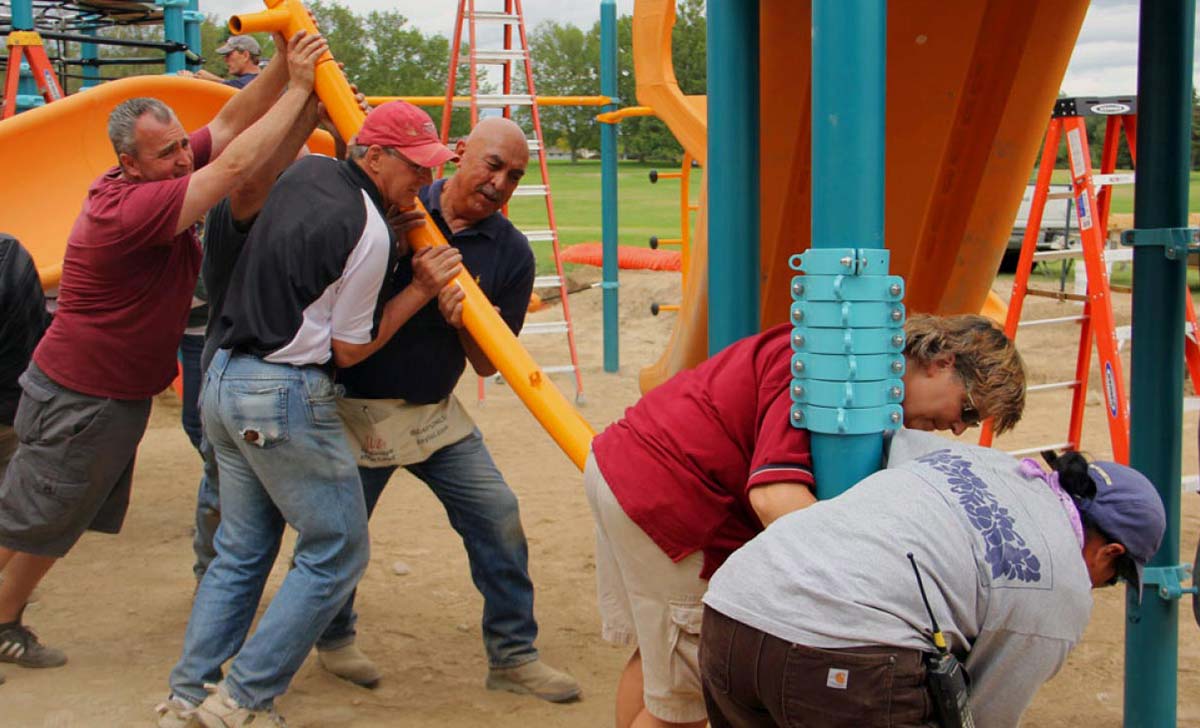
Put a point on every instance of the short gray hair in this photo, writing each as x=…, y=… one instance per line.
x=358, y=151
x=123, y=119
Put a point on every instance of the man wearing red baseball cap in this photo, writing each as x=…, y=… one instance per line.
x=309, y=292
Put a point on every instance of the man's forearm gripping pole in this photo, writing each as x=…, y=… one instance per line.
x=536, y=390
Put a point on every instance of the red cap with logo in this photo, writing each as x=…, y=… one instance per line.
x=407, y=129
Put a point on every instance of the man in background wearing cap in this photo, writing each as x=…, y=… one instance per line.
x=408, y=386
x=241, y=54
x=1008, y=554
x=310, y=291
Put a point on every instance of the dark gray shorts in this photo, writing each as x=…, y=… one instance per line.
x=73, y=467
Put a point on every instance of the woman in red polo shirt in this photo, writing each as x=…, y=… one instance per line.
x=704, y=462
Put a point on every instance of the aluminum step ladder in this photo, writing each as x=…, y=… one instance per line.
x=513, y=52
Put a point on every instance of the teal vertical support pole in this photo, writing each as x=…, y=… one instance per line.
x=22, y=19
x=1165, y=48
x=90, y=52
x=192, y=17
x=173, y=32
x=849, y=71
x=608, y=187
x=733, y=201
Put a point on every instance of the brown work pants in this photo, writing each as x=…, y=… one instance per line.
x=753, y=679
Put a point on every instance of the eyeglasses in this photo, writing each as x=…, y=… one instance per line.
x=397, y=155
x=970, y=413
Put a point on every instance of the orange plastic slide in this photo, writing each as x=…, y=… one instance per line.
x=53, y=153
x=970, y=86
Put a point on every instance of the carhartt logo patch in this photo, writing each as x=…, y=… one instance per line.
x=837, y=678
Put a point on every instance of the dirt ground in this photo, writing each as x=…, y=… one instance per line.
x=119, y=605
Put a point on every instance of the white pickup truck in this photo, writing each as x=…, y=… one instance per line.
x=1058, y=224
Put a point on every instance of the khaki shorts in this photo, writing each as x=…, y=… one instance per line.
x=647, y=600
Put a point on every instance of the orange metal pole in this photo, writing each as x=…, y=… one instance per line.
x=541, y=100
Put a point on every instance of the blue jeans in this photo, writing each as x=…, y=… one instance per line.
x=208, y=511
x=190, y=348
x=484, y=512
x=284, y=459
x=208, y=508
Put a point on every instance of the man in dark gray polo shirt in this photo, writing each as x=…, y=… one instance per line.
x=408, y=387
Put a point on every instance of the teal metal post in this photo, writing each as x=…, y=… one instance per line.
x=90, y=52
x=173, y=32
x=192, y=17
x=849, y=59
x=733, y=204
x=608, y=186
x=1159, y=272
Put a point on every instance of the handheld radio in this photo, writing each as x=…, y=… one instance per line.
x=946, y=675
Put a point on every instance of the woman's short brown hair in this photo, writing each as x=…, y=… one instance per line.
x=987, y=361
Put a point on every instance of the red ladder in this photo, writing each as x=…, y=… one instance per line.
x=505, y=56
x=1091, y=212
x=27, y=45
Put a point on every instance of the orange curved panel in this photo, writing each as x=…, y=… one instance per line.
x=969, y=89
x=53, y=153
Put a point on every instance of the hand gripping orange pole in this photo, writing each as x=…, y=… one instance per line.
x=544, y=400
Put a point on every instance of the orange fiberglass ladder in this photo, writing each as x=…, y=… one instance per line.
x=513, y=50
x=1091, y=213
x=26, y=45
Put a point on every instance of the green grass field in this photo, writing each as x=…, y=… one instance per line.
x=645, y=209
x=1123, y=194
x=653, y=209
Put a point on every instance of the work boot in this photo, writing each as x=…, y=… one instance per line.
x=349, y=663
x=20, y=646
x=177, y=713
x=219, y=710
x=534, y=678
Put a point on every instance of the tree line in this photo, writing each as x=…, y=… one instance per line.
x=385, y=55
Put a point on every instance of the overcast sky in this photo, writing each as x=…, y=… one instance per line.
x=1104, y=61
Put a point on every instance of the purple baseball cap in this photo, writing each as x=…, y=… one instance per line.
x=1128, y=510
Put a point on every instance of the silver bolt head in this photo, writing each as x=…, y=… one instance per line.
x=797, y=391
x=897, y=366
x=797, y=416
x=897, y=314
x=847, y=261
x=895, y=417
x=895, y=392
x=797, y=316
x=897, y=340
x=894, y=289
x=797, y=289
x=798, y=367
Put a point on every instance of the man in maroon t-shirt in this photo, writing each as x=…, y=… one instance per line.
x=128, y=273
x=708, y=459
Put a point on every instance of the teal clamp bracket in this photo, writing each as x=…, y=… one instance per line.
x=192, y=16
x=846, y=420
x=1169, y=580
x=847, y=394
x=847, y=341
x=1176, y=242
x=613, y=285
x=172, y=3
